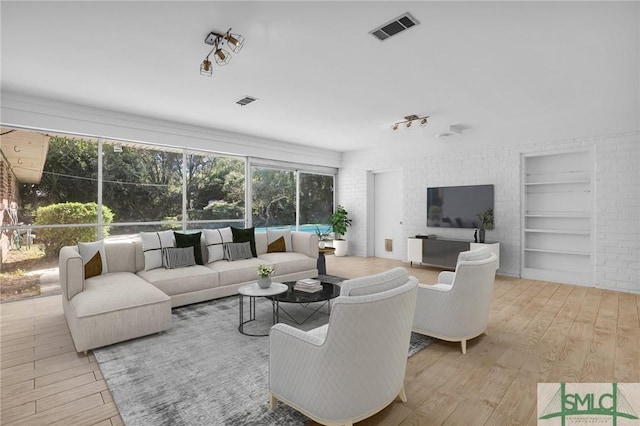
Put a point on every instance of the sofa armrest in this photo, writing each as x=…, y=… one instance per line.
x=70, y=271
x=305, y=243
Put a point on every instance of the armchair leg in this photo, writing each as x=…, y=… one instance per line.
x=464, y=346
x=272, y=401
x=402, y=395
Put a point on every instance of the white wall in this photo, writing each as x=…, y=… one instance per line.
x=617, y=198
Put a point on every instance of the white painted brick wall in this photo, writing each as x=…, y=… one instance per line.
x=618, y=212
x=617, y=200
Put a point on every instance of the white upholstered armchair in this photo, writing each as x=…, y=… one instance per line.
x=457, y=308
x=354, y=366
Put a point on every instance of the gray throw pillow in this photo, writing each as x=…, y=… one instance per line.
x=237, y=251
x=178, y=257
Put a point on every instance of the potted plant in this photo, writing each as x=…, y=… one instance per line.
x=322, y=236
x=340, y=222
x=486, y=222
x=264, y=275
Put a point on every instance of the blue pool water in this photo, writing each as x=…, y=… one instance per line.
x=304, y=228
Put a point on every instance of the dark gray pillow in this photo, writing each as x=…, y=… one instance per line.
x=178, y=257
x=237, y=251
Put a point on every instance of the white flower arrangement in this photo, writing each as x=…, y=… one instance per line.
x=265, y=270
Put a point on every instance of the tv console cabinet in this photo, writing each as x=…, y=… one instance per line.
x=443, y=252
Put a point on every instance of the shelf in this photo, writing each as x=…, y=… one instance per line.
x=559, y=182
x=558, y=231
x=561, y=215
x=573, y=253
x=558, y=216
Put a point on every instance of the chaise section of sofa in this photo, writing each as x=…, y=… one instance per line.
x=113, y=307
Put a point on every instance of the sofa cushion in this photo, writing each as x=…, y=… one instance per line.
x=94, y=258
x=289, y=263
x=240, y=271
x=244, y=235
x=152, y=245
x=214, y=240
x=274, y=235
x=181, y=280
x=115, y=291
x=190, y=240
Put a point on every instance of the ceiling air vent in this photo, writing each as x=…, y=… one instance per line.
x=246, y=100
x=394, y=26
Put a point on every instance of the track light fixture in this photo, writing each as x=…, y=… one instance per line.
x=221, y=56
x=408, y=122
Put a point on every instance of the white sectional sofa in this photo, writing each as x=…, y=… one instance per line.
x=129, y=301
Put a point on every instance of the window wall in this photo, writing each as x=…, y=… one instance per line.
x=142, y=187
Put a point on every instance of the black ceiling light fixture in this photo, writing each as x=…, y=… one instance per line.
x=221, y=56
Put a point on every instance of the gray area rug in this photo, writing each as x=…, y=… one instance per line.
x=203, y=371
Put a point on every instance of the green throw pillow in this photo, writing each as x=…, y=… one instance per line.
x=190, y=240
x=243, y=236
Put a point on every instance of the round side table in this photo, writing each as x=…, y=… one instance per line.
x=252, y=291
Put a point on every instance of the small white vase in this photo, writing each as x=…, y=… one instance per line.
x=264, y=282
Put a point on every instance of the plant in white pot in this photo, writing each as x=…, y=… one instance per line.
x=486, y=222
x=340, y=222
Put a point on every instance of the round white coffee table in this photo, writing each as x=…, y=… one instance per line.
x=252, y=291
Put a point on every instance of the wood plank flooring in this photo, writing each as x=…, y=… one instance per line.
x=538, y=332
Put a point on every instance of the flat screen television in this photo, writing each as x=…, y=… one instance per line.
x=457, y=206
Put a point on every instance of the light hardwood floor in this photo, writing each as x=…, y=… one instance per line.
x=538, y=332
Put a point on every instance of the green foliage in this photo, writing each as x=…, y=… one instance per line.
x=70, y=174
x=316, y=198
x=274, y=197
x=486, y=219
x=143, y=183
x=72, y=213
x=340, y=222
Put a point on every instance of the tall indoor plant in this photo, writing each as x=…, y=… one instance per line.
x=340, y=222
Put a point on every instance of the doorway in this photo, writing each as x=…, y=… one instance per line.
x=388, y=213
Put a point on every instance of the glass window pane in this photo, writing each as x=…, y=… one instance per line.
x=70, y=174
x=142, y=184
x=316, y=202
x=215, y=190
x=274, y=197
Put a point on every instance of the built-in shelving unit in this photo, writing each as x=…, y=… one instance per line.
x=558, y=217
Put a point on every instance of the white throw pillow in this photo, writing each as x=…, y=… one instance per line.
x=152, y=245
x=274, y=234
x=88, y=251
x=214, y=240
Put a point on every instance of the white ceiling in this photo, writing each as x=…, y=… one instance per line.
x=507, y=71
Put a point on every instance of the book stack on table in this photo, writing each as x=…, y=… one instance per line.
x=309, y=285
